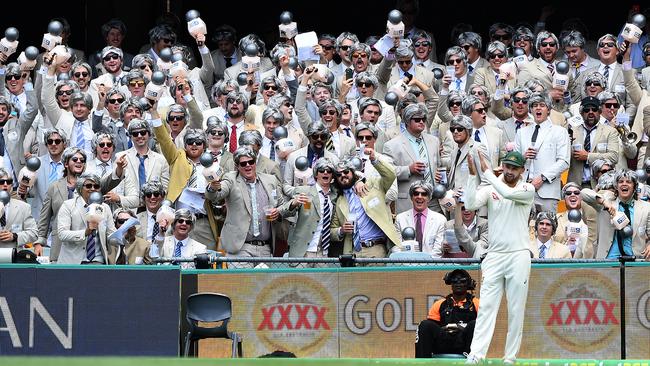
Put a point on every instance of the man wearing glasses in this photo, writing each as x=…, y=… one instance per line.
x=325, y=49
x=613, y=72
x=502, y=32
x=153, y=193
x=460, y=80
x=490, y=76
x=51, y=168
x=490, y=136
x=581, y=246
x=610, y=107
x=160, y=36
x=253, y=200
x=12, y=84
x=366, y=134
x=318, y=136
x=461, y=130
x=144, y=164
x=179, y=244
x=84, y=241
x=343, y=43
x=423, y=48
x=111, y=67
x=520, y=117
x=429, y=225
x=360, y=57
x=17, y=226
x=128, y=110
x=472, y=42
x=592, y=140
x=400, y=66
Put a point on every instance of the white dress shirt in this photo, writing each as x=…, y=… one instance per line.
x=315, y=240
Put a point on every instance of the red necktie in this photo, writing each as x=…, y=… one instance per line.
x=233, y=139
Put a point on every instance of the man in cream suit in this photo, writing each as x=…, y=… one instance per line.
x=13, y=131
x=613, y=243
x=153, y=193
x=490, y=136
x=265, y=62
x=179, y=244
x=461, y=127
x=309, y=236
x=429, y=226
x=544, y=247
x=573, y=44
x=253, y=200
x=591, y=141
x=364, y=224
x=84, y=241
x=520, y=117
x=133, y=249
x=471, y=42
x=338, y=144
x=415, y=154
x=456, y=57
x=546, y=148
x=17, y=226
x=253, y=139
x=391, y=70
x=490, y=76
x=583, y=246
x=143, y=163
x=471, y=230
x=51, y=168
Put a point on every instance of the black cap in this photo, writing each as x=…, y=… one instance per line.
x=590, y=102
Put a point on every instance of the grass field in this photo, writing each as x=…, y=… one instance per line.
x=146, y=361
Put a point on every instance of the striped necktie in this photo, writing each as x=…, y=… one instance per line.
x=606, y=72
x=54, y=174
x=90, y=247
x=327, y=220
x=542, y=251
x=79, y=133
x=272, y=151
x=577, y=66
x=551, y=68
x=177, y=249
x=423, y=157
x=156, y=228
x=329, y=145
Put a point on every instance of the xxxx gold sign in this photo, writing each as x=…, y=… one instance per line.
x=294, y=313
x=580, y=311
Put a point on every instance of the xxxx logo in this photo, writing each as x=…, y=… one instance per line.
x=294, y=313
x=580, y=311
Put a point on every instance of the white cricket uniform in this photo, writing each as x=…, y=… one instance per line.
x=507, y=264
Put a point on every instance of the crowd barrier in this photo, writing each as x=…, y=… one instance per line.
x=574, y=310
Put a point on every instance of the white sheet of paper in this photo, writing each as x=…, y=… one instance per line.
x=193, y=199
x=305, y=43
x=119, y=233
x=384, y=44
x=450, y=238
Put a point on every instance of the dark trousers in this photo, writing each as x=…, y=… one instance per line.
x=432, y=339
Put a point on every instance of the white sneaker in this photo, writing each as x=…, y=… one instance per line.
x=509, y=361
x=473, y=360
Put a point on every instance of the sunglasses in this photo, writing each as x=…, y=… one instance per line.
x=6, y=182
x=136, y=83
x=608, y=44
x=611, y=105
x=417, y=119
x=331, y=112
x=496, y=55
x=477, y=92
x=548, y=44
x=466, y=47
x=121, y=221
x=364, y=138
x=105, y=144
x=216, y=133
x=454, y=61
x=176, y=118
x=502, y=37
x=520, y=100
x=270, y=87
x=54, y=141
x=76, y=159
x=246, y=163
x=184, y=222
x=111, y=57
x=343, y=172
x=362, y=55
x=480, y=110
x=420, y=194
x=326, y=48
x=455, y=104
x=422, y=44
x=364, y=85
x=91, y=186
x=592, y=83
x=81, y=74
x=144, y=67
x=405, y=62
x=14, y=77
x=321, y=136
x=603, y=171
x=287, y=104
x=325, y=170
x=139, y=133
x=66, y=92
x=116, y=101
x=344, y=48
x=590, y=109
x=456, y=129
x=572, y=193
x=153, y=194
x=195, y=142
x=233, y=100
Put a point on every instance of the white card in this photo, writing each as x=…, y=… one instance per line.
x=305, y=43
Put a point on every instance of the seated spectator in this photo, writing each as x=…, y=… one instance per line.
x=544, y=247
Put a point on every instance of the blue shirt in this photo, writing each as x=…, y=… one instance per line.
x=414, y=145
x=636, y=54
x=368, y=230
x=614, y=253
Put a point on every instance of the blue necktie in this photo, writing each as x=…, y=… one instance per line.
x=2, y=142
x=142, y=176
x=54, y=175
x=542, y=252
x=90, y=247
x=477, y=137
x=177, y=249
x=458, y=81
x=79, y=132
x=272, y=153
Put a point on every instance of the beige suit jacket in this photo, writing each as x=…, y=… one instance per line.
x=155, y=166
x=604, y=145
x=556, y=251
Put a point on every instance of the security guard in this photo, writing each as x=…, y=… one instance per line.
x=450, y=324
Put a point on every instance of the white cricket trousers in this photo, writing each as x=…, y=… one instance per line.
x=499, y=271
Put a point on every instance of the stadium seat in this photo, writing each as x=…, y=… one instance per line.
x=210, y=307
